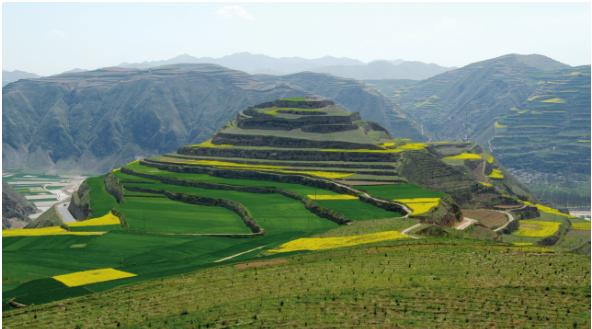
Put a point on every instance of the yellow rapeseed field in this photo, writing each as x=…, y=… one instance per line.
x=108, y=219
x=208, y=144
x=581, y=226
x=548, y=209
x=554, y=100
x=420, y=205
x=496, y=174
x=322, y=174
x=332, y=197
x=390, y=147
x=338, y=242
x=464, y=156
x=522, y=243
x=490, y=159
x=92, y=276
x=271, y=168
x=51, y=230
x=537, y=228
x=486, y=184
x=499, y=125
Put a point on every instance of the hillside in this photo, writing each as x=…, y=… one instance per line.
x=531, y=112
x=381, y=70
x=11, y=76
x=15, y=208
x=392, y=284
x=341, y=67
x=292, y=176
x=91, y=121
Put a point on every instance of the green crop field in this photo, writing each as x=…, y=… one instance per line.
x=358, y=210
x=400, y=191
x=393, y=284
x=353, y=209
x=159, y=214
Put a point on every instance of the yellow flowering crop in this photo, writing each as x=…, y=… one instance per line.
x=499, y=125
x=521, y=244
x=496, y=174
x=490, y=159
x=537, y=228
x=338, y=242
x=420, y=205
x=464, y=156
x=332, y=197
x=92, y=276
x=548, y=209
x=108, y=219
x=486, y=184
x=271, y=168
x=582, y=226
x=390, y=148
x=51, y=230
x=554, y=100
x=208, y=144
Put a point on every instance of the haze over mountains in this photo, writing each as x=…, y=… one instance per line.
x=342, y=67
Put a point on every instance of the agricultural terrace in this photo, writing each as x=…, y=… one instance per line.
x=322, y=243
x=537, y=229
x=496, y=174
x=263, y=205
x=154, y=229
x=464, y=156
x=547, y=229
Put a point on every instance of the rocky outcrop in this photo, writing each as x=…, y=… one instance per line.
x=80, y=202
x=15, y=208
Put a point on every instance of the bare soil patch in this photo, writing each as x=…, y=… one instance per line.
x=362, y=182
x=261, y=263
x=488, y=218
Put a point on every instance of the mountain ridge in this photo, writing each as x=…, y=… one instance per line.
x=94, y=119
x=338, y=66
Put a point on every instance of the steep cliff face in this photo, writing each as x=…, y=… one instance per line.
x=15, y=208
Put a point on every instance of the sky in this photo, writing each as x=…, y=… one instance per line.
x=47, y=38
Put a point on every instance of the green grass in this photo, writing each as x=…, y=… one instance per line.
x=431, y=283
x=357, y=210
x=371, y=226
x=160, y=214
x=400, y=191
x=274, y=212
x=101, y=202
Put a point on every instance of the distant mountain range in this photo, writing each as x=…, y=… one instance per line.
x=531, y=111
x=91, y=121
x=342, y=67
x=10, y=76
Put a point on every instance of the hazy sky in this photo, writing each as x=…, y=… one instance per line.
x=52, y=38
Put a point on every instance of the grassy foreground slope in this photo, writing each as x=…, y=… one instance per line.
x=429, y=283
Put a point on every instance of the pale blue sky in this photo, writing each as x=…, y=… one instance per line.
x=51, y=38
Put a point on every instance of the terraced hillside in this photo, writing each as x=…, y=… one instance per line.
x=88, y=122
x=531, y=112
x=294, y=176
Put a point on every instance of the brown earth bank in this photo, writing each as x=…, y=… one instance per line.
x=488, y=218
